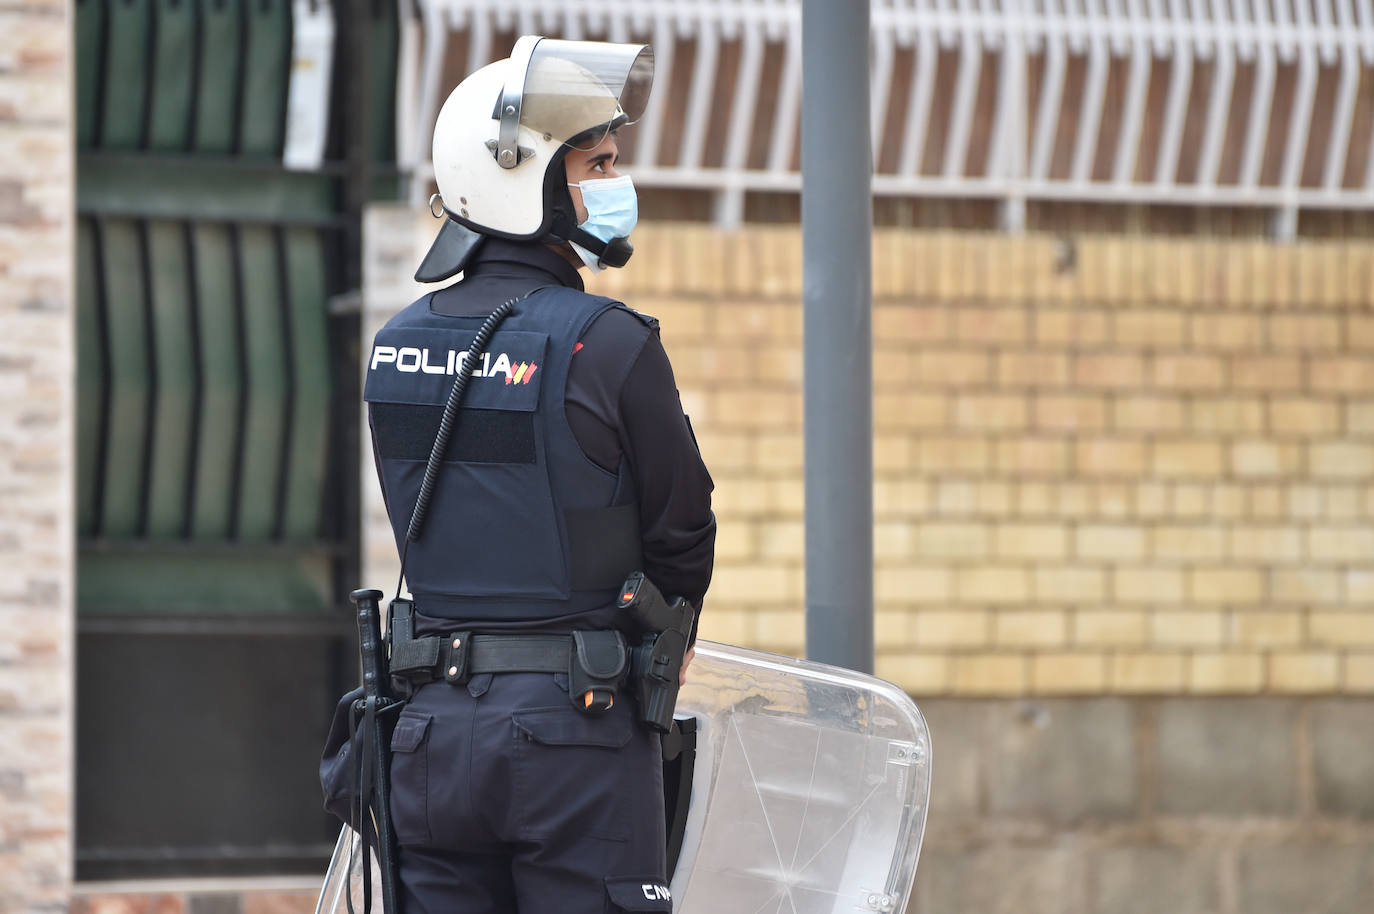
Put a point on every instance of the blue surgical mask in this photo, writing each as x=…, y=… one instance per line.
x=612, y=211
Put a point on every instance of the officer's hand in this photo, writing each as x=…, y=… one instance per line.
x=686, y=662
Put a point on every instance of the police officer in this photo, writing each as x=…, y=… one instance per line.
x=571, y=465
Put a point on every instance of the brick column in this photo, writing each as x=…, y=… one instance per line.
x=37, y=385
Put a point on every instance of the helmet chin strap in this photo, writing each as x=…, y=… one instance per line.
x=564, y=227
x=613, y=253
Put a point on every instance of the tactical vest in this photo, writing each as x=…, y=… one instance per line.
x=522, y=524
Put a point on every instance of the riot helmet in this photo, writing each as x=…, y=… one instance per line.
x=502, y=134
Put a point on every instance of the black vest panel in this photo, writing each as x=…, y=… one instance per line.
x=521, y=524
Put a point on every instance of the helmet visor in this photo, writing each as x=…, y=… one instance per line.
x=575, y=92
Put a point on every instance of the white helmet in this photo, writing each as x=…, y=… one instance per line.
x=500, y=139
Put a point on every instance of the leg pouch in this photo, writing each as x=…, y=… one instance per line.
x=339, y=761
x=635, y=893
x=410, y=777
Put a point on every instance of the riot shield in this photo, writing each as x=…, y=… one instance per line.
x=806, y=791
x=344, y=877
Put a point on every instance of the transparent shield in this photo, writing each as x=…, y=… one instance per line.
x=576, y=91
x=809, y=792
x=344, y=877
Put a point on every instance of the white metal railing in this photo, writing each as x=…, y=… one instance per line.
x=1229, y=69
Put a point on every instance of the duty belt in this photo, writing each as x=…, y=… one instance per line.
x=457, y=656
x=596, y=662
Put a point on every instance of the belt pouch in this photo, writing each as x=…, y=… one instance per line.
x=595, y=667
x=412, y=659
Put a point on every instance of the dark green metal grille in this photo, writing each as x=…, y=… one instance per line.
x=207, y=367
x=217, y=433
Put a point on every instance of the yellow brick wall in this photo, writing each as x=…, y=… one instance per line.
x=1110, y=465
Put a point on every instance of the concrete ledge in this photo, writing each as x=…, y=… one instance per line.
x=247, y=895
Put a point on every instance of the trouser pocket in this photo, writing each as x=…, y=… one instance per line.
x=637, y=893
x=410, y=777
x=570, y=773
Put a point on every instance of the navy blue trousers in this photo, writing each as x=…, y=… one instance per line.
x=508, y=799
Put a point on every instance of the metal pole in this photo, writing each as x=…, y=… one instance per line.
x=837, y=295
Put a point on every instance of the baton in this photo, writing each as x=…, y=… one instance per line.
x=376, y=709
